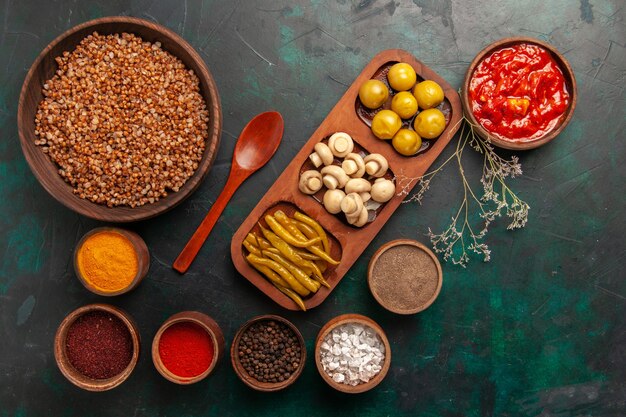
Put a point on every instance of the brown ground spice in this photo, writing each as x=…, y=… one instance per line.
x=404, y=277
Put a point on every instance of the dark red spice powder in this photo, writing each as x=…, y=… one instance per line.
x=99, y=345
x=186, y=349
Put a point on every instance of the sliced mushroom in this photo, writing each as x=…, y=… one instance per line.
x=358, y=185
x=376, y=165
x=332, y=200
x=383, y=190
x=310, y=182
x=360, y=220
x=353, y=165
x=340, y=144
x=334, y=177
x=322, y=155
x=352, y=205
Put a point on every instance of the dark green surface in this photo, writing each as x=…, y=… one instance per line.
x=538, y=331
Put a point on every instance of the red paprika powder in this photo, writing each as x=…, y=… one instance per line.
x=186, y=349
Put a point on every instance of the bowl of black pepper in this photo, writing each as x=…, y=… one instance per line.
x=268, y=353
x=96, y=347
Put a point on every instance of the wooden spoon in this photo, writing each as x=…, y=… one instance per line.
x=256, y=145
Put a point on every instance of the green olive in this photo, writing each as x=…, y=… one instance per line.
x=406, y=142
x=405, y=104
x=429, y=123
x=428, y=93
x=373, y=94
x=385, y=124
x=401, y=76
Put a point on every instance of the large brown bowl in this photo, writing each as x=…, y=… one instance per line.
x=44, y=68
x=570, y=82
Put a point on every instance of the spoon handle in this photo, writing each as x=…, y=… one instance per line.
x=191, y=249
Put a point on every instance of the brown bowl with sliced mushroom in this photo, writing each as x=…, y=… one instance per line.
x=347, y=180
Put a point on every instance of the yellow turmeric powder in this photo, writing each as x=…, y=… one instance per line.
x=108, y=261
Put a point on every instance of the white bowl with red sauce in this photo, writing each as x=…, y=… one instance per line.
x=519, y=93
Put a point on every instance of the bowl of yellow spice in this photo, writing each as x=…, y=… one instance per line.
x=111, y=261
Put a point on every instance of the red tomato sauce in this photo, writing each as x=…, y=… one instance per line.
x=518, y=93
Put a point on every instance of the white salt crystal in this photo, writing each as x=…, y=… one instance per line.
x=352, y=354
x=337, y=377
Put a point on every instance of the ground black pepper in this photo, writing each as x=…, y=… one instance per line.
x=269, y=351
x=404, y=277
x=99, y=345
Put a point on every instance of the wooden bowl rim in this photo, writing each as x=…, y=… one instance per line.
x=207, y=324
x=353, y=318
x=404, y=242
x=125, y=214
x=141, y=250
x=570, y=80
x=250, y=381
x=73, y=375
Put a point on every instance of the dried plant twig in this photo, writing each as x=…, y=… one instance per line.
x=461, y=238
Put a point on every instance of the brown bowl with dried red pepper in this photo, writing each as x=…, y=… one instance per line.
x=519, y=93
x=96, y=347
x=119, y=119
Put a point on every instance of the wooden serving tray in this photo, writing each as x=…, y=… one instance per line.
x=347, y=242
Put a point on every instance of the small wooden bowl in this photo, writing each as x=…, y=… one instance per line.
x=202, y=320
x=143, y=259
x=44, y=68
x=75, y=377
x=241, y=372
x=570, y=81
x=426, y=271
x=345, y=319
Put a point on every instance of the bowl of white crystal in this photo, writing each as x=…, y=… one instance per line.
x=352, y=353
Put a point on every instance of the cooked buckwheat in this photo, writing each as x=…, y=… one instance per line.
x=123, y=119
